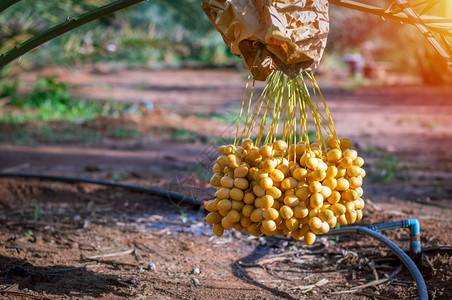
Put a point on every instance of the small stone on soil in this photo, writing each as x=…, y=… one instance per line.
x=86, y=223
x=196, y=271
x=151, y=266
x=195, y=282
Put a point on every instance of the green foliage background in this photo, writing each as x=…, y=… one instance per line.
x=50, y=100
x=155, y=33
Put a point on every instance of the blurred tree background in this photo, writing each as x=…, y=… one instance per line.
x=150, y=34
x=176, y=33
x=396, y=46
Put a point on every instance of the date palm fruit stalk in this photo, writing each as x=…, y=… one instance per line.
x=288, y=185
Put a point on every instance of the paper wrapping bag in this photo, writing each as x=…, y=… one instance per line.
x=288, y=35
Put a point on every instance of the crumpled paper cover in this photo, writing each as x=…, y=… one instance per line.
x=288, y=35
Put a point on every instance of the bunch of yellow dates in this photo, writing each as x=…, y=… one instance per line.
x=301, y=190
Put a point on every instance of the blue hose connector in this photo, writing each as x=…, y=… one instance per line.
x=415, y=232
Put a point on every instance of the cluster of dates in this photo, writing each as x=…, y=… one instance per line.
x=299, y=190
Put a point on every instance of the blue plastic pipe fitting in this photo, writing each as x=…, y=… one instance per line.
x=415, y=231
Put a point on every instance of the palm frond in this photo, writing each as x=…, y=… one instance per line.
x=436, y=29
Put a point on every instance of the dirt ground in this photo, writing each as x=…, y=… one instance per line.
x=94, y=242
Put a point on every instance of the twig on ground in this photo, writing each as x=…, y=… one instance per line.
x=15, y=287
x=353, y=274
x=268, y=281
x=249, y=265
x=21, y=294
x=143, y=247
x=426, y=263
x=162, y=231
x=309, y=287
x=374, y=270
x=275, y=274
x=347, y=254
x=440, y=248
x=373, y=295
x=372, y=283
x=137, y=255
x=117, y=263
x=95, y=257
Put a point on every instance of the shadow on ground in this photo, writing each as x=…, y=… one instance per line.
x=57, y=280
x=239, y=270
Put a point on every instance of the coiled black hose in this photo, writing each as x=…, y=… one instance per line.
x=153, y=191
x=407, y=261
x=422, y=288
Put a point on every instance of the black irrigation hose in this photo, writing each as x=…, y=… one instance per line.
x=162, y=193
x=407, y=261
x=422, y=289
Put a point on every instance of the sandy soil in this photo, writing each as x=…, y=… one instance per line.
x=92, y=242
